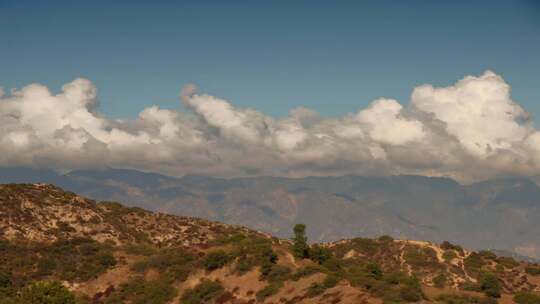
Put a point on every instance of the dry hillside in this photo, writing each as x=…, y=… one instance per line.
x=103, y=252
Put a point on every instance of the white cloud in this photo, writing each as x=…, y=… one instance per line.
x=478, y=111
x=385, y=124
x=470, y=130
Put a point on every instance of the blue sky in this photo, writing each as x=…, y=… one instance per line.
x=333, y=57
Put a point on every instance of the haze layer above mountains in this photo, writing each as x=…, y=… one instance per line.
x=501, y=214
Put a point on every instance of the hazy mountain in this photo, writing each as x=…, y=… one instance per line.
x=501, y=214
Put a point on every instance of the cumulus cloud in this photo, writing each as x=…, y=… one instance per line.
x=471, y=130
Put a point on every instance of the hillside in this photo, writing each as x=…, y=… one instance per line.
x=501, y=214
x=104, y=252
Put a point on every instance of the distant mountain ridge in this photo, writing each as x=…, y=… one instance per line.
x=502, y=214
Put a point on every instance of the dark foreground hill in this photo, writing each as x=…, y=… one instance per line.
x=103, y=252
x=501, y=214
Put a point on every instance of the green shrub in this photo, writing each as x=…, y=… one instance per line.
x=215, y=260
x=333, y=265
x=394, y=278
x=373, y=270
x=534, y=271
x=140, y=249
x=273, y=272
x=175, y=263
x=74, y=260
x=315, y=289
x=527, y=298
x=486, y=254
x=330, y=281
x=305, y=271
x=507, y=262
x=470, y=286
x=269, y=290
x=205, y=291
x=140, y=291
x=490, y=285
x=449, y=246
x=464, y=299
x=253, y=252
x=440, y=280
x=42, y=292
x=319, y=254
x=385, y=239
x=449, y=255
x=474, y=263
x=421, y=257
x=7, y=290
x=411, y=291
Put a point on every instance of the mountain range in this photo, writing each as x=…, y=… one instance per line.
x=498, y=214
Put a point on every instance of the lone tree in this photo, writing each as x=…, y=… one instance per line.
x=300, y=246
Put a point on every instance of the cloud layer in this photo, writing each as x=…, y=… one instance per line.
x=471, y=130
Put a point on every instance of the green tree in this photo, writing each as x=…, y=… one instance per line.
x=300, y=246
x=43, y=292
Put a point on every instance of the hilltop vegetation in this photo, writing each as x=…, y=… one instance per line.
x=57, y=247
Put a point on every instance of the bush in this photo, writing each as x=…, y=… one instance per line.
x=449, y=255
x=6, y=286
x=314, y=290
x=421, y=257
x=43, y=292
x=253, y=252
x=385, y=239
x=330, y=281
x=394, y=278
x=411, y=291
x=440, y=280
x=534, y=271
x=175, y=263
x=215, y=260
x=474, y=263
x=463, y=299
x=333, y=265
x=486, y=254
x=305, y=271
x=449, y=246
x=140, y=249
x=273, y=272
x=470, y=286
x=319, y=254
x=490, y=285
x=81, y=259
x=205, y=291
x=139, y=291
x=269, y=290
x=508, y=262
x=373, y=270
x=527, y=298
